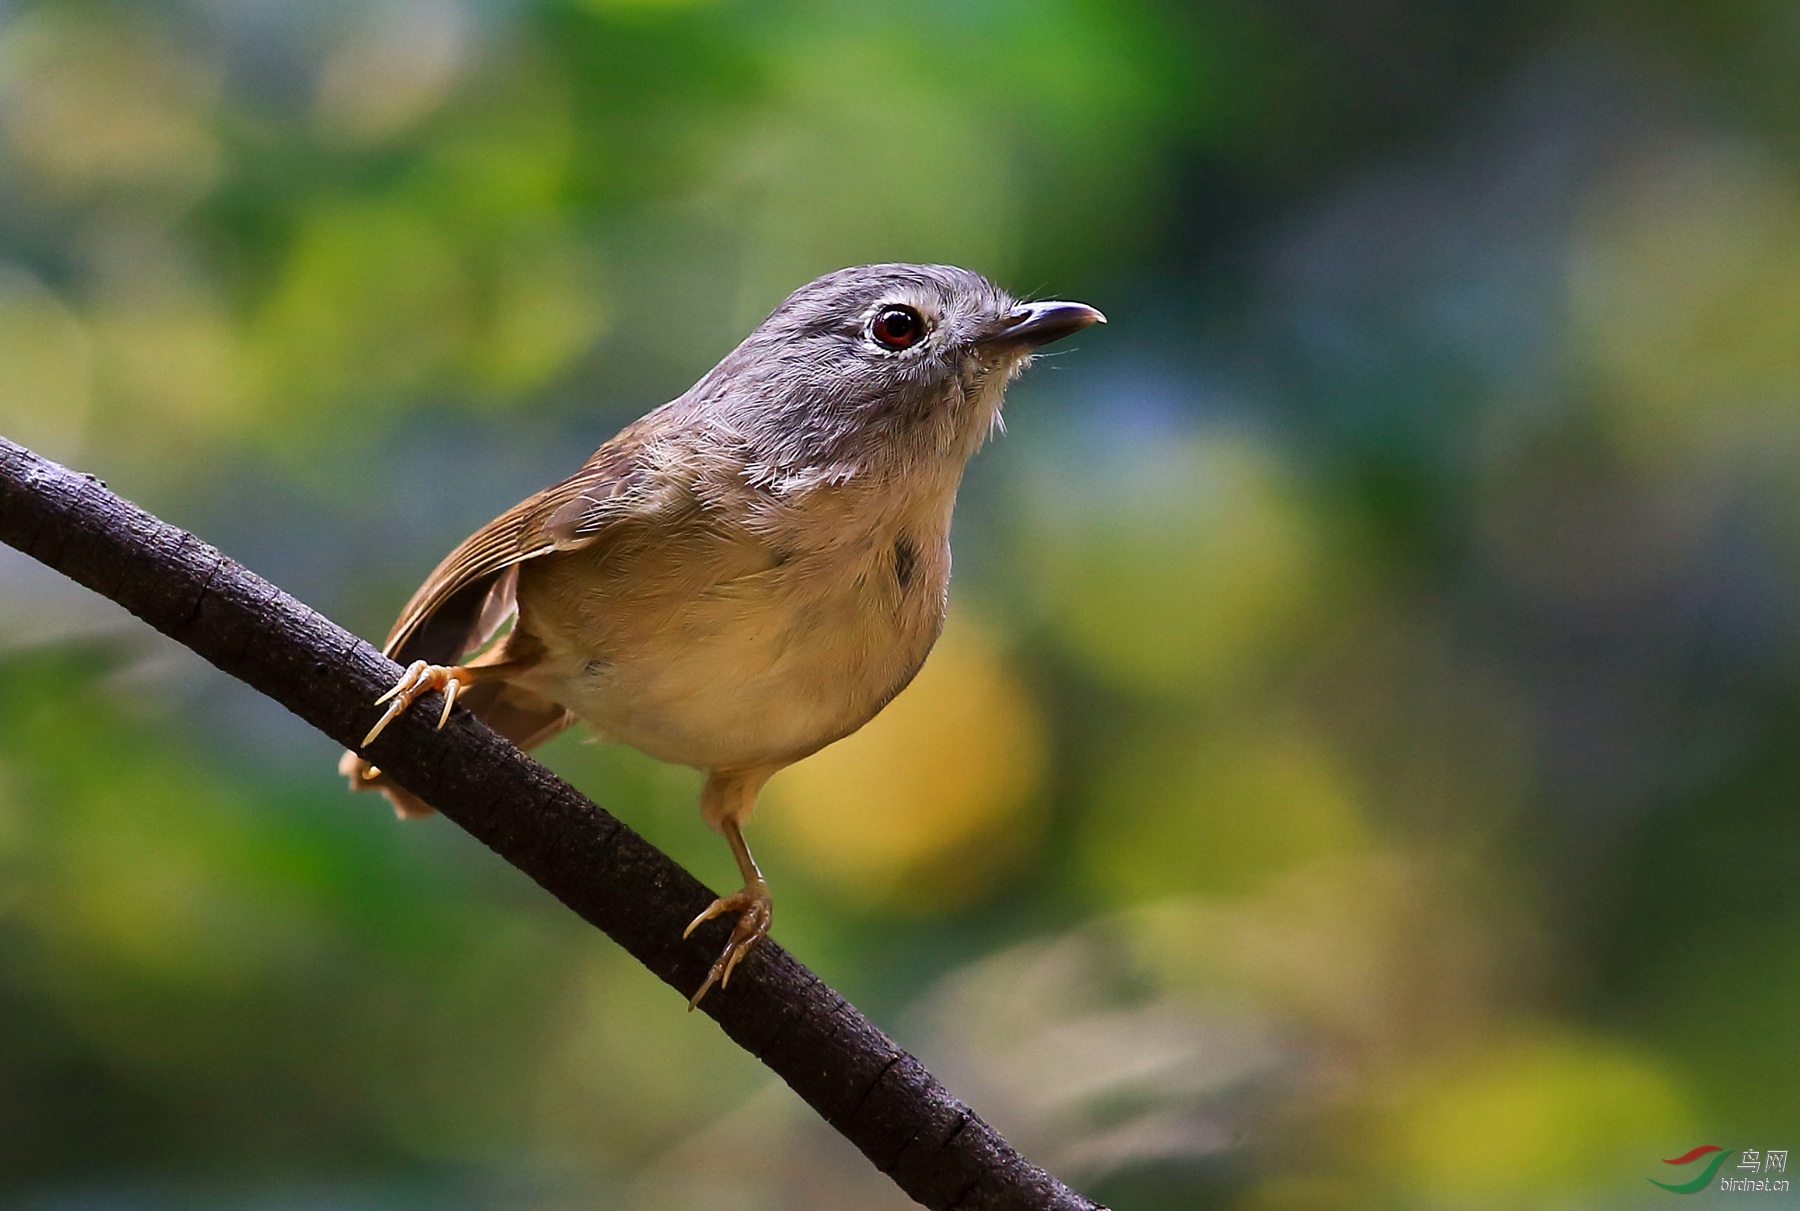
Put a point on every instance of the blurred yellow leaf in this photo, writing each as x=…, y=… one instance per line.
x=1532, y=1119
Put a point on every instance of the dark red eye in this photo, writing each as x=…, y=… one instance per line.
x=897, y=327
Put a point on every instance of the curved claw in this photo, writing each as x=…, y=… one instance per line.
x=419, y=679
x=712, y=910
x=413, y=672
x=388, y=717
x=756, y=911
x=452, y=688
x=737, y=954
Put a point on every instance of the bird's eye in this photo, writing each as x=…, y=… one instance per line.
x=897, y=328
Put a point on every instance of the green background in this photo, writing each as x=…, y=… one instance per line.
x=1361, y=768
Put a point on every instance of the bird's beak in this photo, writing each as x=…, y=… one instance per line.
x=1034, y=324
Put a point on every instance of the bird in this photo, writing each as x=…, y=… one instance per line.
x=747, y=573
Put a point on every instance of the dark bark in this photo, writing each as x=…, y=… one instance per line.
x=880, y=1098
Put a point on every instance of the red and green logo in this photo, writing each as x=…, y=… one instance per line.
x=1705, y=1176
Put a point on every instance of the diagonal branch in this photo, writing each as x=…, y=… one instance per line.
x=877, y=1096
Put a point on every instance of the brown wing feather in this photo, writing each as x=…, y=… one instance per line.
x=468, y=597
x=438, y=623
x=453, y=611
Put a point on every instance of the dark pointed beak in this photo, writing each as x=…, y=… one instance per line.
x=1034, y=324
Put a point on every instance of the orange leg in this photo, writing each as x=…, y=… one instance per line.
x=727, y=801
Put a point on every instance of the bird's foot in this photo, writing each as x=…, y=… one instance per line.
x=755, y=910
x=419, y=680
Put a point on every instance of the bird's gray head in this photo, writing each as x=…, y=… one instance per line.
x=879, y=365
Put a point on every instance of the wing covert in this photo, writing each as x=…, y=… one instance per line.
x=455, y=610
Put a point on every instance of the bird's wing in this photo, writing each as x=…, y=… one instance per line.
x=468, y=596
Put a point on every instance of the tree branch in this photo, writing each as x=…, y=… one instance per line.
x=877, y=1096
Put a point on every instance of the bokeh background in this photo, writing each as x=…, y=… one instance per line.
x=1360, y=770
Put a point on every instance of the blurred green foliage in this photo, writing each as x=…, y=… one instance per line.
x=1359, y=771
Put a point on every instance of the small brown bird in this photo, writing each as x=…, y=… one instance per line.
x=750, y=571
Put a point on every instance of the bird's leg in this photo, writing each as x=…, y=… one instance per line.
x=421, y=678
x=753, y=905
x=736, y=795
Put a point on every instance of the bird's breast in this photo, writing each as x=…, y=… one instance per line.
x=720, y=649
